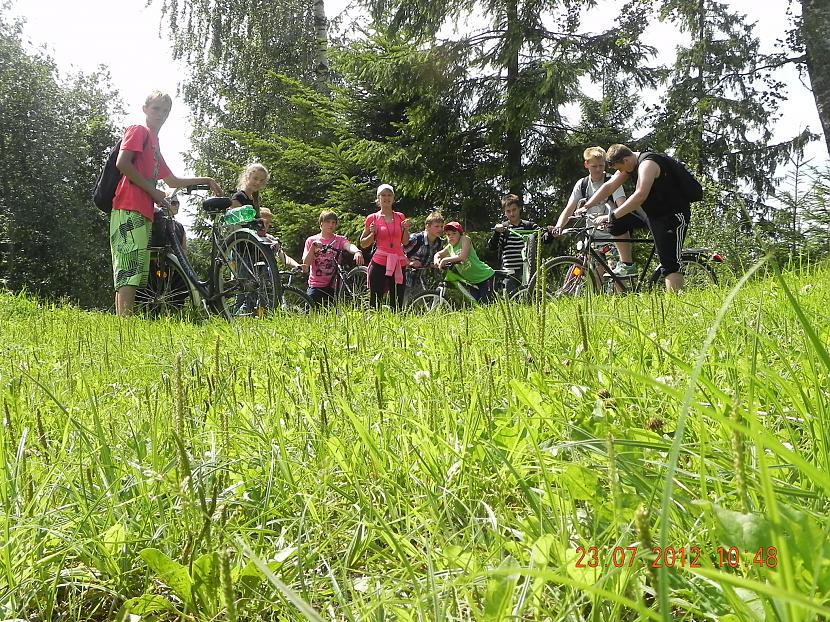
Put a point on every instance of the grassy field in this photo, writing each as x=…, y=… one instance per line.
x=379, y=467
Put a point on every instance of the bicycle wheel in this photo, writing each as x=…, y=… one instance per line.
x=245, y=277
x=168, y=291
x=697, y=273
x=294, y=301
x=428, y=302
x=565, y=276
x=358, y=283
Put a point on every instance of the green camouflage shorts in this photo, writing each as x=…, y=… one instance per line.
x=129, y=241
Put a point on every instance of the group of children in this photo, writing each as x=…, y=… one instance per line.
x=599, y=196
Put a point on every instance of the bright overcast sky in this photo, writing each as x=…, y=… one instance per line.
x=82, y=34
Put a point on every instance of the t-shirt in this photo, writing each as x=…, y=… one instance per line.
x=324, y=264
x=663, y=198
x=597, y=210
x=150, y=165
x=472, y=270
x=242, y=197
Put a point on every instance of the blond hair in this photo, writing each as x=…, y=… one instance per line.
x=159, y=95
x=593, y=152
x=433, y=218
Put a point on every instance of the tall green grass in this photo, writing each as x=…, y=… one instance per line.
x=354, y=466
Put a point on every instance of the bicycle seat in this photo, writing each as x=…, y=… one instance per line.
x=216, y=205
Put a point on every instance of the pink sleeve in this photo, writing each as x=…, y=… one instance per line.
x=135, y=137
x=342, y=241
x=369, y=220
x=308, y=242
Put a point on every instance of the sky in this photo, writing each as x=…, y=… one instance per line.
x=83, y=34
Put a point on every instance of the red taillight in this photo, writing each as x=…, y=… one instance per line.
x=717, y=257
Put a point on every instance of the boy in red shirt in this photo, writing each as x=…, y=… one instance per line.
x=131, y=219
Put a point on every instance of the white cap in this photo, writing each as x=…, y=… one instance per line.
x=383, y=187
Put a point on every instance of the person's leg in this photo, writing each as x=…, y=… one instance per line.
x=669, y=232
x=320, y=295
x=396, y=294
x=485, y=291
x=129, y=244
x=621, y=230
x=377, y=284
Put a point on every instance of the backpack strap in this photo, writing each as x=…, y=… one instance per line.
x=583, y=186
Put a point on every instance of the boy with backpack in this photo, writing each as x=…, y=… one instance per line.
x=584, y=189
x=140, y=162
x=665, y=189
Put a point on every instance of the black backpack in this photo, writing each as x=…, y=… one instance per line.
x=104, y=191
x=687, y=184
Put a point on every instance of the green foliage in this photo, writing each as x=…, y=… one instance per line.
x=54, y=136
x=722, y=99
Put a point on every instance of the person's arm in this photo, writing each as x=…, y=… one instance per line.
x=606, y=190
x=357, y=254
x=460, y=257
x=405, y=224
x=440, y=255
x=646, y=174
x=181, y=182
x=124, y=163
x=288, y=260
x=367, y=238
x=618, y=197
x=308, y=252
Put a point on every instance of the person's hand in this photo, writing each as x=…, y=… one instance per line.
x=499, y=228
x=316, y=244
x=358, y=258
x=601, y=222
x=215, y=188
x=580, y=208
x=415, y=263
x=555, y=230
x=160, y=199
x=372, y=229
x=405, y=225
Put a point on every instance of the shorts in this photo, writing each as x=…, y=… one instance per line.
x=669, y=232
x=627, y=224
x=129, y=241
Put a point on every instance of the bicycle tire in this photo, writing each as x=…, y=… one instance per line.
x=294, y=301
x=357, y=280
x=428, y=302
x=245, y=279
x=565, y=276
x=168, y=291
x=697, y=273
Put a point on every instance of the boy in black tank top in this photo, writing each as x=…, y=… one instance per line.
x=657, y=192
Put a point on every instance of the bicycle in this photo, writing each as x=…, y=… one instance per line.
x=448, y=295
x=349, y=286
x=589, y=271
x=244, y=279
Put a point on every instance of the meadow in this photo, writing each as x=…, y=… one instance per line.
x=641, y=457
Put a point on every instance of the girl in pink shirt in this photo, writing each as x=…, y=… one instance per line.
x=389, y=231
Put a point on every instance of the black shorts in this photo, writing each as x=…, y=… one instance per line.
x=669, y=232
x=626, y=224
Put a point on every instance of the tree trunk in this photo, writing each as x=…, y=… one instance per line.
x=701, y=86
x=321, y=33
x=513, y=138
x=815, y=25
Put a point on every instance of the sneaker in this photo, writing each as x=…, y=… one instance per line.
x=623, y=269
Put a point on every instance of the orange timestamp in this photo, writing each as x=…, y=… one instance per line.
x=672, y=557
